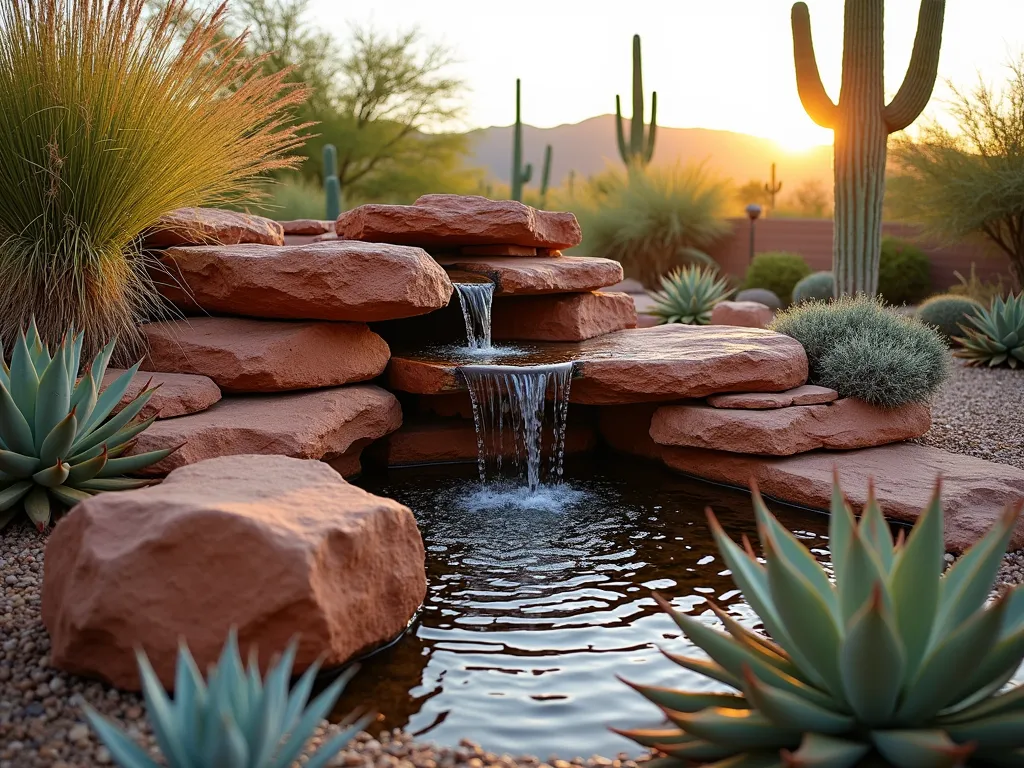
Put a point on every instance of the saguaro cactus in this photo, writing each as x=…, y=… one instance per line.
x=332, y=187
x=772, y=189
x=545, y=176
x=520, y=174
x=862, y=122
x=640, y=148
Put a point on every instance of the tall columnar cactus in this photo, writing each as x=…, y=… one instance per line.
x=332, y=186
x=521, y=174
x=545, y=176
x=772, y=189
x=862, y=122
x=641, y=147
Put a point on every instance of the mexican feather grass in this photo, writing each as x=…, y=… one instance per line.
x=110, y=118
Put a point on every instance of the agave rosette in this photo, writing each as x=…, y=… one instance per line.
x=997, y=337
x=236, y=718
x=59, y=443
x=895, y=663
x=688, y=294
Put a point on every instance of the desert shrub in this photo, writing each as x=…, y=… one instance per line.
x=778, y=272
x=291, y=197
x=904, y=272
x=819, y=286
x=863, y=349
x=982, y=291
x=110, y=118
x=652, y=220
x=688, y=295
x=947, y=313
x=761, y=296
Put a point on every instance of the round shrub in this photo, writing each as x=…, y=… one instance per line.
x=817, y=287
x=761, y=296
x=904, y=272
x=946, y=313
x=778, y=272
x=863, y=349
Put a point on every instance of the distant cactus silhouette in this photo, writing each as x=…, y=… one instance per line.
x=545, y=176
x=332, y=187
x=520, y=174
x=862, y=122
x=641, y=148
x=772, y=189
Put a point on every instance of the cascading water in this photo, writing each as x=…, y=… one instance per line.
x=509, y=406
x=475, y=299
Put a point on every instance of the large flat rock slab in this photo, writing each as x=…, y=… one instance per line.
x=808, y=394
x=515, y=276
x=321, y=424
x=274, y=547
x=243, y=355
x=842, y=425
x=660, y=364
x=974, y=491
x=561, y=317
x=451, y=221
x=177, y=394
x=212, y=226
x=330, y=280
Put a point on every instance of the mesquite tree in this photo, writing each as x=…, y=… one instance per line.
x=862, y=122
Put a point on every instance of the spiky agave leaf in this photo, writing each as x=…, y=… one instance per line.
x=997, y=337
x=59, y=443
x=895, y=662
x=234, y=718
x=688, y=295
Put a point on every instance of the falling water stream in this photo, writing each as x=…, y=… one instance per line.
x=475, y=299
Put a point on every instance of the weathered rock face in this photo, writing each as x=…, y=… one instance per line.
x=744, y=314
x=664, y=363
x=212, y=226
x=178, y=395
x=808, y=394
x=974, y=492
x=331, y=280
x=320, y=424
x=561, y=317
x=498, y=250
x=265, y=356
x=306, y=226
x=514, y=276
x=449, y=221
x=843, y=425
x=276, y=547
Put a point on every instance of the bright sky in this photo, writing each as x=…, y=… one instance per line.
x=724, y=64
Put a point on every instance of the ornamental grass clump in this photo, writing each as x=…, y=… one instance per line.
x=895, y=663
x=109, y=119
x=863, y=349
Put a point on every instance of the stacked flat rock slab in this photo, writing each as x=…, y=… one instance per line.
x=177, y=394
x=561, y=317
x=275, y=548
x=194, y=226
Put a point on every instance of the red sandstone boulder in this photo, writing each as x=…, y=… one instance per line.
x=178, y=394
x=450, y=221
x=845, y=424
x=306, y=227
x=808, y=394
x=275, y=547
x=745, y=314
x=323, y=424
x=513, y=276
x=498, y=250
x=266, y=356
x=212, y=226
x=333, y=280
x=561, y=317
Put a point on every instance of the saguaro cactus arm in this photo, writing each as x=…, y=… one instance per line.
x=913, y=95
x=640, y=148
x=813, y=96
x=649, y=151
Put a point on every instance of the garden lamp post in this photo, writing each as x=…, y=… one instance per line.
x=753, y=212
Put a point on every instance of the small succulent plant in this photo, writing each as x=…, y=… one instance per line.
x=895, y=663
x=59, y=443
x=688, y=295
x=997, y=337
x=234, y=719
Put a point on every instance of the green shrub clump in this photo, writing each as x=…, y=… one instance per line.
x=904, y=272
x=861, y=348
x=777, y=272
x=947, y=313
x=817, y=287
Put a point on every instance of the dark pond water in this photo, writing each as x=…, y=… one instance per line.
x=532, y=612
